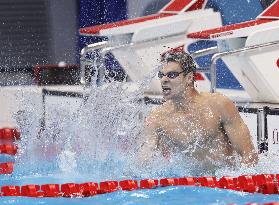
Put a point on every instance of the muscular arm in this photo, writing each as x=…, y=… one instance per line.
x=147, y=149
x=237, y=132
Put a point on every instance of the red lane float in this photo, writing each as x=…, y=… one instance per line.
x=89, y=189
x=31, y=190
x=266, y=183
x=187, y=181
x=270, y=203
x=10, y=149
x=9, y=134
x=262, y=183
x=128, y=185
x=226, y=182
x=50, y=190
x=208, y=181
x=108, y=187
x=7, y=146
x=70, y=190
x=247, y=184
x=6, y=168
x=10, y=190
x=148, y=183
x=168, y=182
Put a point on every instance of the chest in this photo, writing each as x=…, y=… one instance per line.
x=184, y=126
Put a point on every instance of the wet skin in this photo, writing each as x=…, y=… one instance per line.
x=204, y=126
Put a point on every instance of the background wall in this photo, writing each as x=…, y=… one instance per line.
x=63, y=27
x=36, y=32
x=232, y=11
x=24, y=33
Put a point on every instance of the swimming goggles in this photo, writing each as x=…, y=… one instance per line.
x=170, y=75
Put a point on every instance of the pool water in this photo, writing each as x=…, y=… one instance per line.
x=100, y=140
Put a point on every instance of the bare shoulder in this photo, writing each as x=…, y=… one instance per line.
x=222, y=106
x=218, y=101
x=157, y=114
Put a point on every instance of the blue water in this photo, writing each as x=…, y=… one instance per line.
x=89, y=144
x=174, y=195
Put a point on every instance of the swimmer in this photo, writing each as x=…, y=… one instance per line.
x=203, y=126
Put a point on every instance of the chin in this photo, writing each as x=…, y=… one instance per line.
x=168, y=97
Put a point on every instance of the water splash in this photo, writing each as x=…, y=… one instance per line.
x=103, y=137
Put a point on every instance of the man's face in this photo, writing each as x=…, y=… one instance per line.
x=173, y=87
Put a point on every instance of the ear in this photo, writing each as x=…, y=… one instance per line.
x=190, y=78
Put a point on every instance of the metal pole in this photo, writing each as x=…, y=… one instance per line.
x=204, y=52
x=213, y=74
x=104, y=44
x=83, y=59
x=216, y=56
x=262, y=134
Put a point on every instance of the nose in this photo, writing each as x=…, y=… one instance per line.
x=164, y=79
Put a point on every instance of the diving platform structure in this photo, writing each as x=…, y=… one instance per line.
x=138, y=43
x=251, y=51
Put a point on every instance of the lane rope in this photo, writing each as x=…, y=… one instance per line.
x=261, y=183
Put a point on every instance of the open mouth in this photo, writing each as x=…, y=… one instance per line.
x=166, y=90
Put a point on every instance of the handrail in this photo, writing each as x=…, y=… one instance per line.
x=91, y=47
x=201, y=53
x=97, y=45
x=103, y=45
x=216, y=56
x=83, y=53
x=204, y=52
